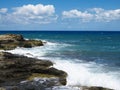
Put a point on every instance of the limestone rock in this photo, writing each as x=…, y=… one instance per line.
x=11, y=41
x=10, y=38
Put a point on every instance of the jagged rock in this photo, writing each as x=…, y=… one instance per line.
x=11, y=41
x=15, y=68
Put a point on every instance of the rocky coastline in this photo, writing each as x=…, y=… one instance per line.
x=24, y=73
x=11, y=41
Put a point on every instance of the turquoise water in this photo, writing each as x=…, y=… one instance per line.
x=96, y=55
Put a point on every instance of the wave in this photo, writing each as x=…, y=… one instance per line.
x=39, y=50
x=84, y=74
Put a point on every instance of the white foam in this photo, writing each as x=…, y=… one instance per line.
x=81, y=74
x=1, y=50
x=78, y=73
x=36, y=51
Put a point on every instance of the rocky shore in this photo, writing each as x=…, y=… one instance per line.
x=23, y=73
x=11, y=41
x=15, y=69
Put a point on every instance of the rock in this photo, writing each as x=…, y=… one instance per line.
x=11, y=38
x=1, y=88
x=15, y=68
x=10, y=88
x=6, y=55
x=52, y=71
x=11, y=41
x=36, y=85
x=8, y=46
x=94, y=88
x=40, y=83
x=99, y=88
x=31, y=43
x=78, y=88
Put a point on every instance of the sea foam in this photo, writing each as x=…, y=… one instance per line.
x=83, y=74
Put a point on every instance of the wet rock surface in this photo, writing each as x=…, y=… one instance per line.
x=11, y=41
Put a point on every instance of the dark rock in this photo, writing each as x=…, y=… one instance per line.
x=10, y=88
x=11, y=41
x=6, y=55
x=31, y=43
x=52, y=71
x=99, y=88
x=94, y=88
x=40, y=83
x=8, y=46
x=15, y=68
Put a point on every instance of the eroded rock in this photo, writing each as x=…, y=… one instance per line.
x=15, y=68
x=11, y=38
x=11, y=41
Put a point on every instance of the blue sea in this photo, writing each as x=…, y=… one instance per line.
x=90, y=58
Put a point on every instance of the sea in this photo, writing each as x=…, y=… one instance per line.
x=90, y=58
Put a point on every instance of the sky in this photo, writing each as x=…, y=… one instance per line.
x=78, y=15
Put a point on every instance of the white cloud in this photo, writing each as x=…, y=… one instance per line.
x=32, y=14
x=3, y=10
x=75, y=14
x=44, y=14
x=85, y=16
x=38, y=9
x=96, y=10
x=108, y=15
x=94, y=14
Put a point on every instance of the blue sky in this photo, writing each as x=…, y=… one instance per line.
x=60, y=15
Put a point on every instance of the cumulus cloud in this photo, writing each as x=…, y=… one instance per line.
x=94, y=14
x=85, y=16
x=31, y=14
x=44, y=14
x=75, y=13
x=3, y=10
x=38, y=9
